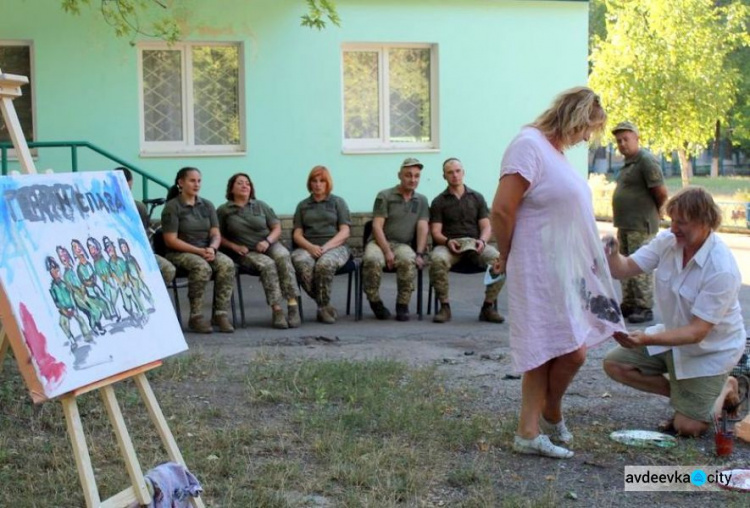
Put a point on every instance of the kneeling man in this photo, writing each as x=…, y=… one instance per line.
x=697, y=284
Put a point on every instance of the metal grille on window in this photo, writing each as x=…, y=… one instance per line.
x=409, y=95
x=361, y=108
x=162, y=95
x=216, y=112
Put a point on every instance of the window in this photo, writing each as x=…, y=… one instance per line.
x=191, y=98
x=390, y=97
x=16, y=58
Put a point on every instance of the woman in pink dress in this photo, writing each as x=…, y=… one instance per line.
x=560, y=293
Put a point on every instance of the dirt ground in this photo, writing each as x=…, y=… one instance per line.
x=476, y=355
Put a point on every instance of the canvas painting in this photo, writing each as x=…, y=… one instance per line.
x=82, y=296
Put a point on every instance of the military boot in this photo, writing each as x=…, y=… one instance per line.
x=223, y=322
x=444, y=315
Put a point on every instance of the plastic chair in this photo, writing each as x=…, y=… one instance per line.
x=367, y=234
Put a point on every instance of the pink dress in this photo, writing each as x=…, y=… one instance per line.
x=560, y=292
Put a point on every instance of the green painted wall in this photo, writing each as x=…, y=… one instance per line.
x=500, y=64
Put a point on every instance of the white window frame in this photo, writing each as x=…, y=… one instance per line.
x=187, y=146
x=30, y=89
x=382, y=143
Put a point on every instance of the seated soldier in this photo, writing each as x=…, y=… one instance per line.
x=399, y=215
x=460, y=227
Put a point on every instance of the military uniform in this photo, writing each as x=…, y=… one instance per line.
x=249, y=225
x=460, y=219
x=320, y=221
x=167, y=269
x=636, y=218
x=192, y=224
x=400, y=226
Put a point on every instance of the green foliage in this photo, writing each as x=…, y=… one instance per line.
x=664, y=65
x=317, y=10
x=124, y=16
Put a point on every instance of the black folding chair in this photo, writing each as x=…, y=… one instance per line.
x=367, y=234
x=181, y=275
x=464, y=266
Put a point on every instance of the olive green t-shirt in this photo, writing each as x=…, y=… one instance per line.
x=459, y=217
x=192, y=223
x=320, y=220
x=142, y=213
x=633, y=205
x=401, y=216
x=246, y=225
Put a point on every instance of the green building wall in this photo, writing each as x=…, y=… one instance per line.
x=500, y=64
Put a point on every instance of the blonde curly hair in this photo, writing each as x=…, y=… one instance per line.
x=572, y=113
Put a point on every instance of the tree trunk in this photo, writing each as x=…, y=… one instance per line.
x=685, y=169
x=716, y=149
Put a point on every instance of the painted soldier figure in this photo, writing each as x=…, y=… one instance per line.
x=92, y=312
x=63, y=298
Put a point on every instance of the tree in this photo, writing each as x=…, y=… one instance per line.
x=664, y=65
x=124, y=16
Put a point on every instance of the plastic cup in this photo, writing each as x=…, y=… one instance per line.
x=724, y=443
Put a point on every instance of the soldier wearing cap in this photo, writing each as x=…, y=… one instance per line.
x=460, y=228
x=400, y=215
x=636, y=209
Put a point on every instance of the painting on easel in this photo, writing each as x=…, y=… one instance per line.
x=81, y=284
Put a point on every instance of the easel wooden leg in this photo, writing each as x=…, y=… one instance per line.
x=126, y=445
x=157, y=417
x=80, y=451
x=4, y=343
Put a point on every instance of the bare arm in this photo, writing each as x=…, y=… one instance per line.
x=379, y=235
x=692, y=333
x=660, y=195
x=508, y=198
x=339, y=239
x=621, y=267
x=422, y=230
x=485, y=231
x=436, y=230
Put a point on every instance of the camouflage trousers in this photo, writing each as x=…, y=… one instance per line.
x=167, y=269
x=316, y=275
x=442, y=259
x=373, y=263
x=636, y=291
x=199, y=274
x=276, y=272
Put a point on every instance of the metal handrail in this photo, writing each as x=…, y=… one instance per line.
x=5, y=146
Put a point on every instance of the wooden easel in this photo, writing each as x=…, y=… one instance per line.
x=10, y=88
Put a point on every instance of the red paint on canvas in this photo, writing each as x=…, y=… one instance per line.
x=52, y=370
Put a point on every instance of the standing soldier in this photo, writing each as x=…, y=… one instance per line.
x=399, y=215
x=636, y=206
x=460, y=227
x=63, y=298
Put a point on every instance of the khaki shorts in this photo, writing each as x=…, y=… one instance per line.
x=694, y=397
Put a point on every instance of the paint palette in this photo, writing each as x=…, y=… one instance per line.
x=739, y=480
x=644, y=438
